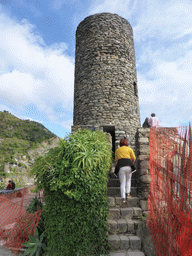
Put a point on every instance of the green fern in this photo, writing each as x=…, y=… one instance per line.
x=35, y=244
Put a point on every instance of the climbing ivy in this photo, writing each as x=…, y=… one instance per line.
x=74, y=179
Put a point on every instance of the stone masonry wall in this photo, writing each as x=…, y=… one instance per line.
x=143, y=165
x=142, y=143
x=105, y=91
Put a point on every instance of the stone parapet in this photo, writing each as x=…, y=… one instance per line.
x=144, y=177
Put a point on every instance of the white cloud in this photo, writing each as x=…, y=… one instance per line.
x=32, y=72
x=67, y=124
x=125, y=8
x=166, y=19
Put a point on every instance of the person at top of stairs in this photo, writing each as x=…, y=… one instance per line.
x=124, y=159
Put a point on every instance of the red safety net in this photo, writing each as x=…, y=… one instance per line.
x=15, y=222
x=170, y=197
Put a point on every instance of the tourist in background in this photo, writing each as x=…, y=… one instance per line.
x=124, y=159
x=9, y=186
x=13, y=184
x=153, y=121
x=146, y=123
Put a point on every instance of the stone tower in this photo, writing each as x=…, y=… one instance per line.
x=105, y=91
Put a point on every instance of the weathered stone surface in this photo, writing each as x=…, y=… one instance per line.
x=144, y=164
x=137, y=212
x=124, y=242
x=105, y=90
x=135, y=254
x=145, y=213
x=144, y=149
x=127, y=213
x=145, y=194
x=122, y=226
x=135, y=242
x=112, y=225
x=143, y=140
x=118, y=201
x=133, y=202
x=138, y=224
x=143, y=157
x=114, y=241
x=143, y=204
x=118, y=253
x=147, y=242
x=130, y=225
x=111, y=201
x=146, y=178
x=143, y=172
x=143, y=132
x=114, y=213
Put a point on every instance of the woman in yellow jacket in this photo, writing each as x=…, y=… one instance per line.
x=124, y=158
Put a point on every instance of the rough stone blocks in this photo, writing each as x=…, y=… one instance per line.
x=124, y=242
x=114, y=241
x=112, y=225
x=117, y=254
x=133, y=202
x=135, y=254
x=130, y=226
x=111, y=201
x=114, y=213
x=146, y=179
x=135, y=242
x=122, y=226
x=143, y=204
x=137, y=212
x=127, y=213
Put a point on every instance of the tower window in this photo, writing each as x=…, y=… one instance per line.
x=135, y=88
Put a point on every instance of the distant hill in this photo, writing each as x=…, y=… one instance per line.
x=13, y=127
x=21, y=141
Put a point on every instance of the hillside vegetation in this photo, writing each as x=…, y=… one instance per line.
x=20, y=137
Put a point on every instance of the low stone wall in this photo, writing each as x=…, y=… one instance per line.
x=144, y=178
x=5, y=192
x=145, y=236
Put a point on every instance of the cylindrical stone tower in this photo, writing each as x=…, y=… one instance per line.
x=105, y=92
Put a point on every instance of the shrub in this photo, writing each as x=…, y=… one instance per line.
x=34, y=205
x=74, y=179
x=22, y=165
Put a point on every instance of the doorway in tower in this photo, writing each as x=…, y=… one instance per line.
x=110, y=129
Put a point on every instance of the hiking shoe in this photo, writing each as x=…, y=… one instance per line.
x=123, y=203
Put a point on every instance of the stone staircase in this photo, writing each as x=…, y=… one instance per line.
x=124, y=223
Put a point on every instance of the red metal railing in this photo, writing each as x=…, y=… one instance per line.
x=170, y=197
x=15, y=222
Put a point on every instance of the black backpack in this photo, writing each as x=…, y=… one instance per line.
x=13, y=185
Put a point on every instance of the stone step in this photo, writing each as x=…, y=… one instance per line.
x=116, y=201
x=115, y=191
x=124, y=226
x=125, y=213
x=124, y=242
x=126, y=253
x=116, y=183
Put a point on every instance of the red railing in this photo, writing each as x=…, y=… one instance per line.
x=15, y=222
x=170, y=197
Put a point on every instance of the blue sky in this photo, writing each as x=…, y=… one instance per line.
x=37, y=57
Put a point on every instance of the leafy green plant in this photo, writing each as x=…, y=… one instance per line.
x=34, y=205
x=22, y=165
x=3, y=185
x=35, y=245
x=74, y=178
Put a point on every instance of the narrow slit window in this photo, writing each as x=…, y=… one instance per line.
x=135, y=88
